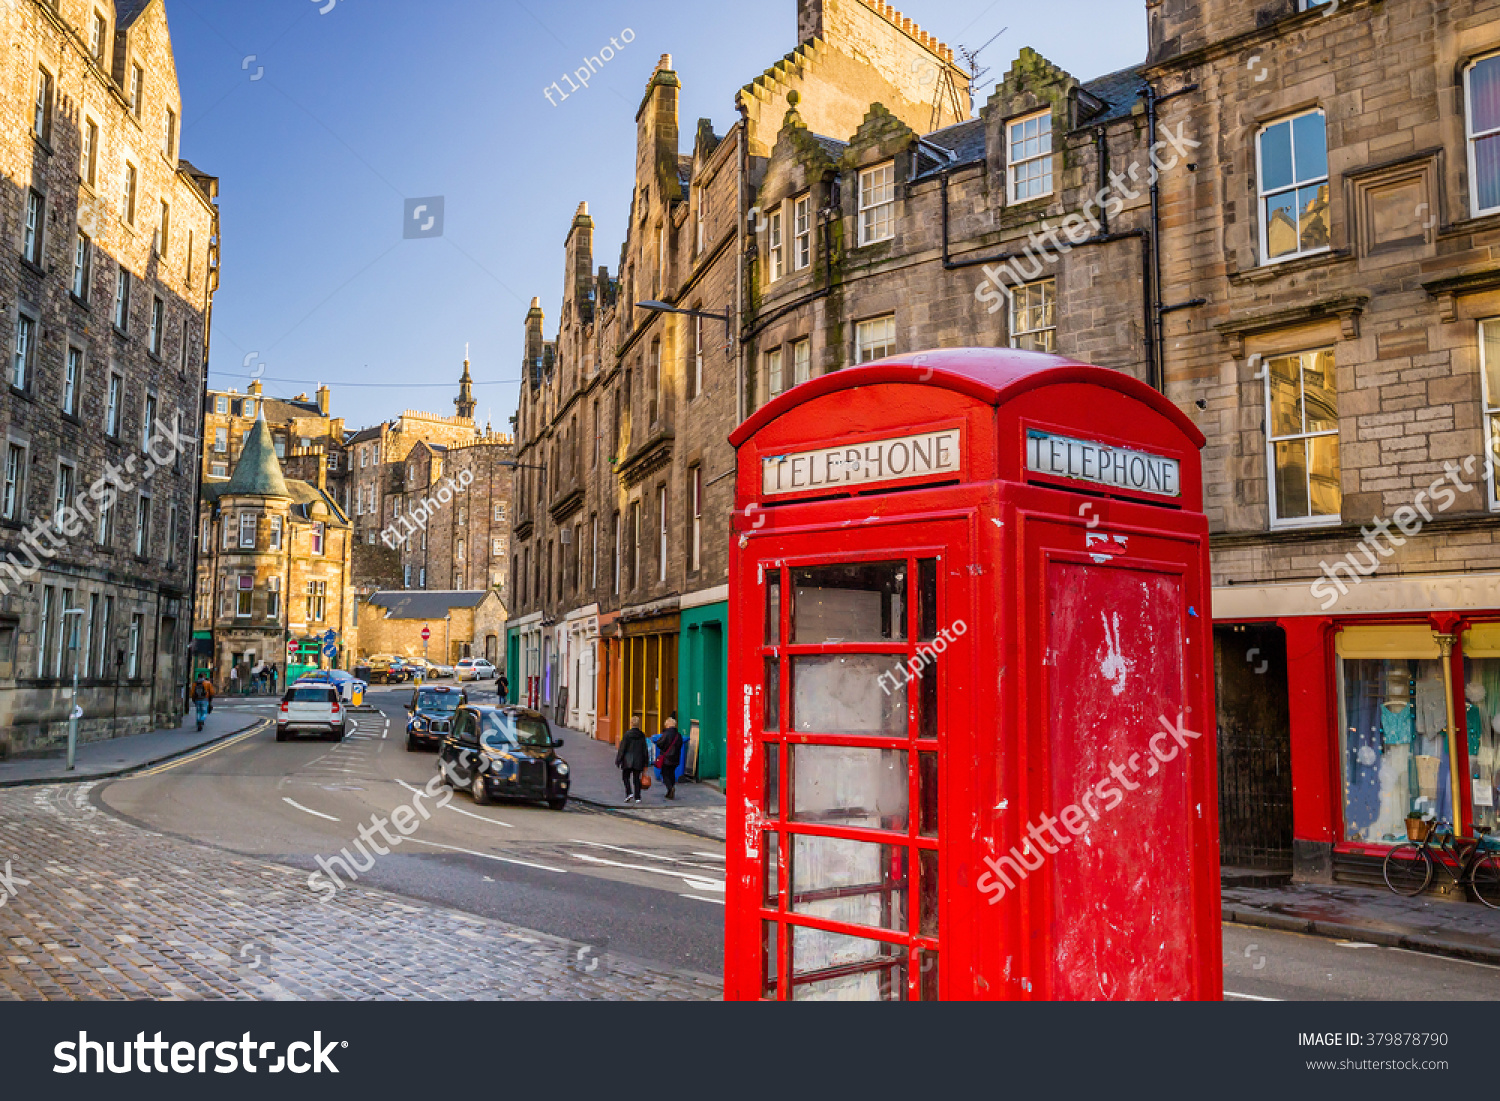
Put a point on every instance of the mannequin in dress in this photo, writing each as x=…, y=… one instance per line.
x=1397, y=728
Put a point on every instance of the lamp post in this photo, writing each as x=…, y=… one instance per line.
x=662, y=307
x=73, y=711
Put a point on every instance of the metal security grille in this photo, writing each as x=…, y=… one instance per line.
x=1255, y=747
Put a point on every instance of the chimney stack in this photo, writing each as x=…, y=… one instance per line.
x=324, y=394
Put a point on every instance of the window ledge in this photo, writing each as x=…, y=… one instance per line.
x=42, y=143
x=34, y=268
x=1347, y=308
x=123, y=334
x=1275, y=269
x=81, y=303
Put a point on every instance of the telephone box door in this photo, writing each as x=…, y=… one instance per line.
x=1126, y=736
x=848, y=645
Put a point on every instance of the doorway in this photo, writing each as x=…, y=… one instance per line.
x=1255, y=746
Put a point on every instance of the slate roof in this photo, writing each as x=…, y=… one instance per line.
x=366, y=434
x=426, y=604
x=832, y=146
x=258, y=471
x=1120, y=90
x=127, y=11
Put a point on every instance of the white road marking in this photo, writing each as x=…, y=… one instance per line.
x=1354, y=944
x=309, y=810
x=697, y=883
x=711, y=856
x=637, y=852
x=700, y=898
x=1445, y=959
x=459, y=810
x=490, y=856
x=1249, y=997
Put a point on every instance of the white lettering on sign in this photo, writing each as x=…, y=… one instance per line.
x=863, y=464
x=1090, y=461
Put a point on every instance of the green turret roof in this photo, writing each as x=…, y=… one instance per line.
x=258, y=472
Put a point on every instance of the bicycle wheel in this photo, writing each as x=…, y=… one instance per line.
x=1487, y=880
x=1408, y=869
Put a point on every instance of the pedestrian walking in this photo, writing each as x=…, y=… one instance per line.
x=203, y=698
x=258, y=677
x=631, y=759
x=271, y=676
x=234, y=679
x=669, y=755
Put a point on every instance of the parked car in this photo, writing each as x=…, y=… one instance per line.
x=315, y=707
x=347, y=684
x=430, y=713
x=506, y=752
x=389, y=670
x=475, y=669
x=438, y=669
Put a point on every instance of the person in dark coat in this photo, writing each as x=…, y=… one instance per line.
x=631, y=759
x=669, y=755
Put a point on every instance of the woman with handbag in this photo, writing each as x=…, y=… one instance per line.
x=669, y=755
x=631, y=759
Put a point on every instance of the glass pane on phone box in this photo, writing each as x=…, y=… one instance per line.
x=927, y=613
x=772, y=695
x=773, y=607
x=814, y=950
x=858, y=602
x=771, y=877
x=848, y=694
x=845, y=786
x=859, y=882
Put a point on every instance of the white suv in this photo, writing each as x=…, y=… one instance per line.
x=312, y=707
x=476, y=669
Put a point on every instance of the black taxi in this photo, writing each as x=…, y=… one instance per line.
x=504, y=752
x=430, y=712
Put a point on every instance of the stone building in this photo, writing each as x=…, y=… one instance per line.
x=305, y=435
x=1345, y=366
x=377, y=470
x=105, y=287
x=619, y=597
x=459, y=625
x=450, y=523
x=274, y=566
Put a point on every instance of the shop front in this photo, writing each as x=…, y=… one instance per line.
x=648, y=670
x=1394, y=712
x=608, y=725
x=525, y=663
x=703, y=677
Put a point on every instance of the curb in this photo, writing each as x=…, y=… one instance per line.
x=632, y=816
x=115, y=774
x=1433, y=946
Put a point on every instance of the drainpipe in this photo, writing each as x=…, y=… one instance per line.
x=210, y=284
x=1159, y=309
x=739, y=259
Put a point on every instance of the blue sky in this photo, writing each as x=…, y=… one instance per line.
x=351, y=107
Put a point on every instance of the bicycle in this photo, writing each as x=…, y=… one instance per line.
x=1408, y=868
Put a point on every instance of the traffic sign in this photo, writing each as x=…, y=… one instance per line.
x=330, y=637
x=331, y=651
x=426, y=633
x=291, y=646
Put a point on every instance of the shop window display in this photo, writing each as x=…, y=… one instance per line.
x=1395, y=752
x=1481, y=726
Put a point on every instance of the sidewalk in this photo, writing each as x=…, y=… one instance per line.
x=102, y=760
x=698, y=808
x=1466, y=930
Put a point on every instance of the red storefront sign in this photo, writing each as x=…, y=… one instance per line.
x=972, y=750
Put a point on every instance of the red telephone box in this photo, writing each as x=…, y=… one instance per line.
x=971, y=712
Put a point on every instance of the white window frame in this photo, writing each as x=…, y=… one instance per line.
x=137, y=88
x=861, y=345
x=98, y=37
x=775, y=376
x=801, y=361
x=121, y=315
x=775, y=254
x=23, y=351
x=218, y=470
x=1042, y=158
x=83, y=265
x=13, y=481
x=1262, y=195
x=877, y=203
x=695, y=537
x=247, y=531
x=41, y=123
x=130, y=192
x=1490, y=415
x=801, y=231
x=133, y=646
x=319, y=535
x=65, y=491
x=273, y=597
x=1018, y=297
x=1473, y=137
x=661, y=550
x=90, y=151
x=73, y=368
x=114, y=404
x=34, y=230
x=148, y=421
x=1278, y=523
x=143, y=525
x=221, y=405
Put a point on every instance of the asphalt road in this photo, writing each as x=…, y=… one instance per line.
x=624, y=887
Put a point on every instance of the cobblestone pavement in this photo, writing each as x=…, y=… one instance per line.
x=95, y=908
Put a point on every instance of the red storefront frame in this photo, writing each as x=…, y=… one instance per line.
x=1012, y=546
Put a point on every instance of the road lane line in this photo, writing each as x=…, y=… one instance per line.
x=1250, y=997
x=711, y=856
x=700, y=898
x=309, y=810
x=637, y=852
x=459, y=810
x=1446, y=959
x=490, y=856
x=202, y=753
x=697, y=882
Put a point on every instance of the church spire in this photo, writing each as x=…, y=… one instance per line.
x=465, y=400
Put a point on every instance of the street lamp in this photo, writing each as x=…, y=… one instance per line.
x=73, y=713
x=661, y=307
